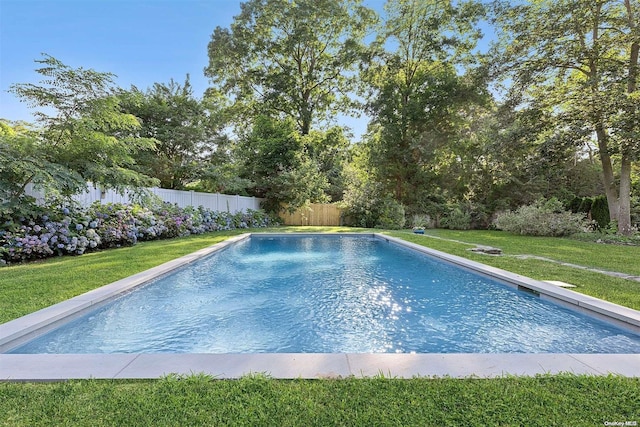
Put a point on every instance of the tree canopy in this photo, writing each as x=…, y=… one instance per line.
x=294, y=59
x=82, y=126
x=181, y=127
x=417, y=94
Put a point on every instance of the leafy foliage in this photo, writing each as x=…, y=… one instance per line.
x=329, y=150
x=274, y=159
x=367, y=205
x=600, y=212
x=87, y=134
x=457, y=219
x=292, y=58
x=579, y=59
x=183, y=128
x=543, y=218
x=22, y=162
x=416, y=94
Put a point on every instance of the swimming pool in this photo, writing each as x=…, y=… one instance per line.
x=266, y=294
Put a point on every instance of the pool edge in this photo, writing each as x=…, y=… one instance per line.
x=57, y=367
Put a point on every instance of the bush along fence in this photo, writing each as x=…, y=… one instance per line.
x=74, y=231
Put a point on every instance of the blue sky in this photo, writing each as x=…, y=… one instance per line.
x=140, y=41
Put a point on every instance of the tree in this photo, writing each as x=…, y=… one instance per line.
x=87, y=133
x=292, y=59
x=180, y=125
x=329, y=150
x=518, y=156
x=366, y=202
x=417, y=94
x=22, y=162
x=579, y=58
x=273, y=158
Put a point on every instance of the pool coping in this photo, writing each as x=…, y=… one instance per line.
x=53, y=367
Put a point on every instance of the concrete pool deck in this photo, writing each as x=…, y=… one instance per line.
x=52, y=367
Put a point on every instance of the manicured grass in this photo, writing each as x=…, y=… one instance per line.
x=257, y=401
x=607, y=257
x=254, y=401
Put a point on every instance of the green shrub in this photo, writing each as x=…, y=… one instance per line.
x=457, y=219
x=465, y=215
x=543, y=218
x=600, y=212
x=585, y=205
x=368, y=206
x=391, y=215
x=575, y=204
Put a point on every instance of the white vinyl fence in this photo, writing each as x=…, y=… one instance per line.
x=213, y=201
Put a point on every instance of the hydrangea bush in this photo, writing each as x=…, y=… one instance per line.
x=74, y=231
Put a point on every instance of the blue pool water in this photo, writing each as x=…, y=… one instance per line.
x=327, y=294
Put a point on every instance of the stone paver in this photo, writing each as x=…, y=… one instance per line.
x=51, y=367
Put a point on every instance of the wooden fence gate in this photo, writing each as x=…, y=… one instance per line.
x=314, y=214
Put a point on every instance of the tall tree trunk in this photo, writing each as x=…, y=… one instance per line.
x=608, y=178
x=624, y=213
x=305, y=113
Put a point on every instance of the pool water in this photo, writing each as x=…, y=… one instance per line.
x=329, y=294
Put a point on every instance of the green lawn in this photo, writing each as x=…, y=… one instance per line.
x=200, y=400
x=606, y=257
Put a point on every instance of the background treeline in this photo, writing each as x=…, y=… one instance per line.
x=458, y=131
